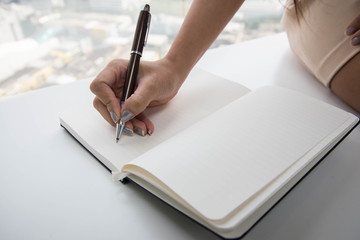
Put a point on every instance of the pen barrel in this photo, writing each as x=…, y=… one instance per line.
x=131, y=76
x=141, y=32
x=140, y=37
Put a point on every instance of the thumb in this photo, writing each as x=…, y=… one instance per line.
x=136, y=103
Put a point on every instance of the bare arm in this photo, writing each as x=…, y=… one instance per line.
x=160, y=81
x=203, y=23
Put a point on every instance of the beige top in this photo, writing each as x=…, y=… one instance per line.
x=319, y=38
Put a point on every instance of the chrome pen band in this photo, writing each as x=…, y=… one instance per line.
x=136, y=52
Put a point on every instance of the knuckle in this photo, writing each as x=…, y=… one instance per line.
x=94, y=87
x=97, y=86
x=137, y=102
x=115, y=63
x=95, y=102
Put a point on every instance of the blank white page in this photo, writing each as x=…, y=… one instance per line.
x=202, y=94
x=222, y=161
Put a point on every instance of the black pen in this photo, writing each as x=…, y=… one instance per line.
x=140, y=37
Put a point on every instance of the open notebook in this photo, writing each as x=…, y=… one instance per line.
x=220, y=153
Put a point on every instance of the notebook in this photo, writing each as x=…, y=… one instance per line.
x=220, y=153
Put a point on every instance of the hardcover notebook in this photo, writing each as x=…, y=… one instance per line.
x=220, y=153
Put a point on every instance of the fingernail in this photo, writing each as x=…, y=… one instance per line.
x=128, y=131
x=113, y=117
x=126, y=116
x=355, y=41
x=149, y=132
x=350, y=31
x=139, y=131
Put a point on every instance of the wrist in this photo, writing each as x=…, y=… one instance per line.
x=181, y=65
x=178, y=68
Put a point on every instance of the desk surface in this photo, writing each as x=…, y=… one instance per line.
x=51, y=188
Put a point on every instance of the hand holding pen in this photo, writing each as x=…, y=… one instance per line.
x=156, y=83
x=141, y=33
x=110, y=82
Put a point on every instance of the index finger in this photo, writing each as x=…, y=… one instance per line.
x=107, y=86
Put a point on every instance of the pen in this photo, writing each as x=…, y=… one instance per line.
x=140, y=37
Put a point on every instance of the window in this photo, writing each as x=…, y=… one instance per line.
x=50, y=42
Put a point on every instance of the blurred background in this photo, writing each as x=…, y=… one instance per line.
x=50, y=42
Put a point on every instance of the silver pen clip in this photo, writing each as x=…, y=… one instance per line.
x=147, y=30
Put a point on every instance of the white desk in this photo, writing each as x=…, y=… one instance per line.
x=51, y=188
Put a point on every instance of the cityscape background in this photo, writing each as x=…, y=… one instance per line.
x=50, y=42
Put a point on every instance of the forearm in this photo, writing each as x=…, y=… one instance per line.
x=159, y=81
x=203, y=23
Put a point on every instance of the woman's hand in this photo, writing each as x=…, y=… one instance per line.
x=157, y=83
x=353, y=30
